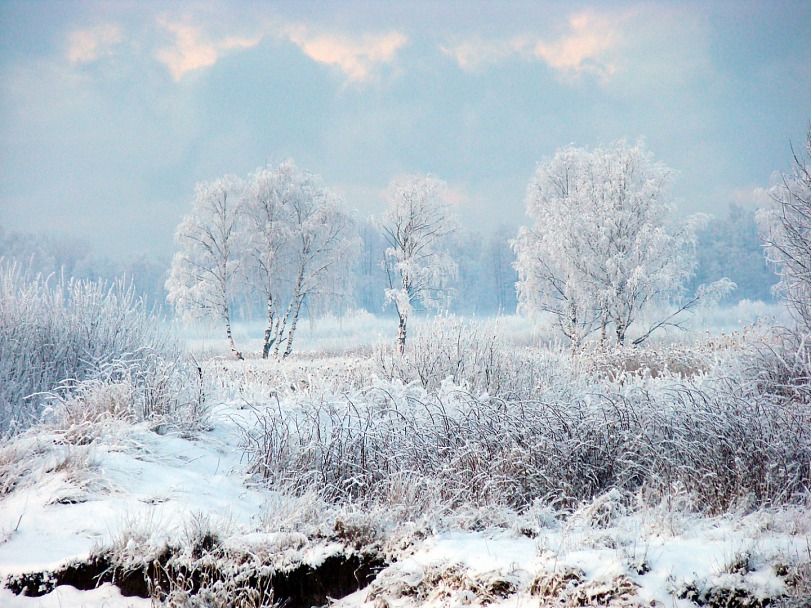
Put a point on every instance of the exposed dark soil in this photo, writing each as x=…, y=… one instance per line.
x=84, y=575
x=304, y=586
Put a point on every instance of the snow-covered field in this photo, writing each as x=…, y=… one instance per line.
x=421, y=477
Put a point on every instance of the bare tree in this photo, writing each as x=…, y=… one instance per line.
x=785, y=228
x=601, y=247
x=416, y=263
x=204, y=271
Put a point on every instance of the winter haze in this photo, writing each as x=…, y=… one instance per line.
x=111, y=112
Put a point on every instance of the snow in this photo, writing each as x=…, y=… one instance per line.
x=146, y=481
x=65, y=596
x=701, y=552
x=480, y=552
x=137, y=489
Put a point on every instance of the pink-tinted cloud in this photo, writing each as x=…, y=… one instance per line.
x=357, y=57
x=455, y=196
x=86, y=46
x=191, y=51
x=586, y=47
x=236, y=42
x=583, y=49
x=188, y=53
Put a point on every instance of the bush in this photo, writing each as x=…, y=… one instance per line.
x=475, y=356
x=62, y=337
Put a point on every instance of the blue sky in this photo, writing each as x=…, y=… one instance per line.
x=110, y=112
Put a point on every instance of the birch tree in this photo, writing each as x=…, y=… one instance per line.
x=785, y=228
x=416, y=262
x=205, y=270
x=301, y=240
x=269, y=233
x=602, y=247
x=323, y=243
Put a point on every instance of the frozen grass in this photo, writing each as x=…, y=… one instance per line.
x=466, y=418
x=489, y=461
x=72, y=343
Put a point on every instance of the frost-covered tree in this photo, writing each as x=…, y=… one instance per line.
x=267, y=209
x=416, y=262
x=785, y=228
x=300, y=240
x=323, y=243
x=601, y=247
x=42, y=253
x=204, y=272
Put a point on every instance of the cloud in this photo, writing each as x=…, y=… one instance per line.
x=472, y=55
x=585, y=48
x=191, y=52
x=86, y=46
x=455, y=196
x=356, y=57
x=235, y=42
x=188, y=53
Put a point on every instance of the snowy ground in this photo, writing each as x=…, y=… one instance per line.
x=136, y=489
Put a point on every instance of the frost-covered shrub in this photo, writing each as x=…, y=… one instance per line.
x=780, y=363
x=448, y=347
x=473, y=355
x=61, y=338
x=619, y=364
x=722, y=442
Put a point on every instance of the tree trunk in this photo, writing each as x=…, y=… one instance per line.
x=293, y=299
x=574, y=333
x=292, y=330
x=234, y=350
x=268, y=330
x=621, y=328
x=401, y=334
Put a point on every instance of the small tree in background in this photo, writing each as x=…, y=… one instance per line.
x=601, y=248
x=204, y=272
x=417, y=264
x=785, y=228
x=730, y=246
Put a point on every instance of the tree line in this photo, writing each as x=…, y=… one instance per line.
x=602, y=248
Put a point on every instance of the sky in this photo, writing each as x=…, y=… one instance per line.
x=111, y=112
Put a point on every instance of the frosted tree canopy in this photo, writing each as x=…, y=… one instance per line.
x=602, y=245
